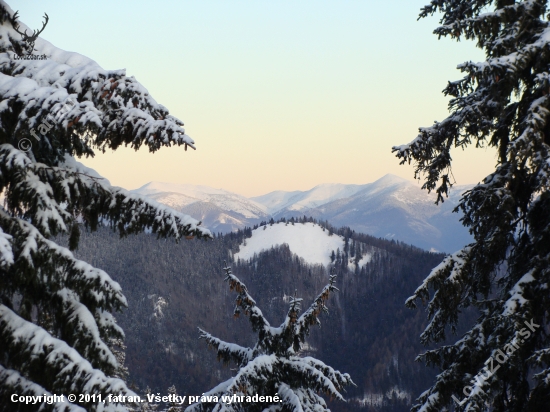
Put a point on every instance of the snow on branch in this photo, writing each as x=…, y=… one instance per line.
x=56, y=263
x=27, y=195
x=70, y=283
x=21, y=386
x=316, y=377
x=55, y=311
x=448, y=280
x=53, y=197
x=244, y=302
x=113, y=108
x=273, y=367
x=85, y=335
x=340, y=380
x=227, y=352
x=541, y=358
x=291, y=400
x=502, y=102
x=301, y=399
x=482, y=109
x=68, y=371
x=311, y=315
x=472, y=19
x=6, y=252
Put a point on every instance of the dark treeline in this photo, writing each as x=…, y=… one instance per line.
x=174, y=288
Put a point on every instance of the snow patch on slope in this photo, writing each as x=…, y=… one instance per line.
x=306, y=240
x=365, y=259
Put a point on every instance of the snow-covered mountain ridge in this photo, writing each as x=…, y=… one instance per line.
x=218, y=209
x=391, y=207
x=303, y=200
x=197, y=193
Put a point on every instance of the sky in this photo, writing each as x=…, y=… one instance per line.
x=278, y=95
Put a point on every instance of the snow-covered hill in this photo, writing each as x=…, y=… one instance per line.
x=307, y=240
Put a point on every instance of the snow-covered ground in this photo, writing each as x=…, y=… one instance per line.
x=306, y=240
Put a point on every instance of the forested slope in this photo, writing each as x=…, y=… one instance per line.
x=173, y=289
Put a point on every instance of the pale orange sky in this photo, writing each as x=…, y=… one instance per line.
x=277, y=95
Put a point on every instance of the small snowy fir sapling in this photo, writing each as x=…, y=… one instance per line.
x=273, y=367
x=148, y=406
x=503, y=362
x=118, y=348
x=56, y=322
x=173, y=405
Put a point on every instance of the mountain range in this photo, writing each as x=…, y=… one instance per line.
x=390, y=208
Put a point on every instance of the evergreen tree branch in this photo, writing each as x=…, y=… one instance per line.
x=245, y=304
x=503, y=102
x=301, y=325
x=272, y=367
x=227, y=352
x=55, y=310
x=64, y=291
x=20, y=385
x=85, y=105
x=52, y=198
x=59, y=365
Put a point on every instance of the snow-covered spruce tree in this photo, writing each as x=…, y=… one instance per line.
x=273, y=366
x=173, y=406
x=118, y=348
x=144, y=405
x=56, y=311
x=502, y=362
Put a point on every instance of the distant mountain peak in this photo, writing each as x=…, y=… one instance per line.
x=389, y=179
